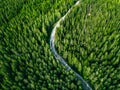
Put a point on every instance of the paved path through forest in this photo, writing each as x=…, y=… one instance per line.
x=85, y=85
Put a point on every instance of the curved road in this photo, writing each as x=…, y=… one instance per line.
x=85, y=85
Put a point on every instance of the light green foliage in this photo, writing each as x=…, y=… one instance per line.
x=91, y=37
x=89, y=40
x=26, y=61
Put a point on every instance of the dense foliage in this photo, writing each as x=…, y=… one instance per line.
x=89, y=40
x=26, y=61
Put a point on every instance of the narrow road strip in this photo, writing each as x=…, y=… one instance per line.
x=85, y=85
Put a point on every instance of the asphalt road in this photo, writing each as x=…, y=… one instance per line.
x=85, y=85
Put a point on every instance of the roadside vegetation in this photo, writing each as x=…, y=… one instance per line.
x=26, y=61
x=89, y=40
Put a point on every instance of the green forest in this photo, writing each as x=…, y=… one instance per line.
x=88, y=39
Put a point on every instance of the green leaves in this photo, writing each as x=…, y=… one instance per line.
x=89, y=37
x=26, y=61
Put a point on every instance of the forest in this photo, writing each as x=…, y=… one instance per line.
x=88, y=39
